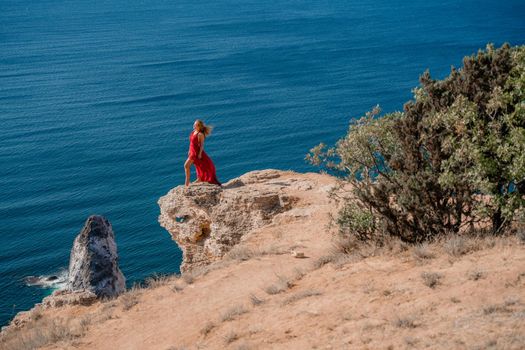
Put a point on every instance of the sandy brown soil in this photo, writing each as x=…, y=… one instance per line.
x=262, y=297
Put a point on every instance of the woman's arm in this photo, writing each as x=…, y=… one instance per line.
x=201, y=142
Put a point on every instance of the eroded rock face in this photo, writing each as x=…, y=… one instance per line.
x=207, y=221
x=93, y=264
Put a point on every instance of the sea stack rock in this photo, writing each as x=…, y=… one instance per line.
x=93, y=265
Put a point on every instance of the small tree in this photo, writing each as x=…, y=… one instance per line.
x=453, y=157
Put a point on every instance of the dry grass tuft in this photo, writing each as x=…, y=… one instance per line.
x=175, y=287
x=204, y=270
x=36, y=313
x=131, y=297
x=241, y=253
x=230, y=337
x=289, y=281
x=423, y=252
x=256, y=300
x=393, y=245
x=128, y=301
x=273, y=249
x=342, y=260
x=274, y=289
x=39, y=333
x=156, y=281
x=233, y=312
x=405, y=322
x=323, y=260
x=504, y=307
x=345, y=245
x=344, y=250
x=520, y=227
x=188, y=277
x=495, y=308
x=386, y=292
x=298, y=274
x=301, y=295
x=347, y=249
x=512, y=301
x=104, y=315
x=107, y=309
x=431, y=279
x=208, y=327
x=456, y=246
x=85, y=322
x=476, y=274
x=284, y=283
x=520, y=230
x=459, y=245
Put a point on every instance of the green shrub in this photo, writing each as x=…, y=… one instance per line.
x=453, y=157
x=356, y=220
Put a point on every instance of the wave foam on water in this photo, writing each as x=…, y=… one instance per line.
x=56, y=281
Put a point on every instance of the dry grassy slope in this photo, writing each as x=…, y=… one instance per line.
x=463, y=294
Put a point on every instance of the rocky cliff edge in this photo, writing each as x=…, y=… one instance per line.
x=206, y=220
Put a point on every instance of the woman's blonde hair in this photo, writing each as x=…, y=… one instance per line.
x=205, y=129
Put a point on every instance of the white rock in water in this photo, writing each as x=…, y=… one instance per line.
x=93, y=265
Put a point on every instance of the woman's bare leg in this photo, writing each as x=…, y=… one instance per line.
x=187, y=165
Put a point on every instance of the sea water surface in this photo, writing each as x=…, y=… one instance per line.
x=97, y=100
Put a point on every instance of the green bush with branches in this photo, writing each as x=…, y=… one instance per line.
x=454, y=157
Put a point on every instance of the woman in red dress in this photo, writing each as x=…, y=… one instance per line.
x=199, y=158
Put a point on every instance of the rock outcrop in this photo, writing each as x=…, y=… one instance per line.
x=93, y=273
x=207, y=220
x=93, y=265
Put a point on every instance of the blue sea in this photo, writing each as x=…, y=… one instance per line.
x=97, y=99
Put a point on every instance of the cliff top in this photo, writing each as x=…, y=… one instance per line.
x=281, y=281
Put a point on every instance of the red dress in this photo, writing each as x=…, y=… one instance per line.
x=204, y=166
